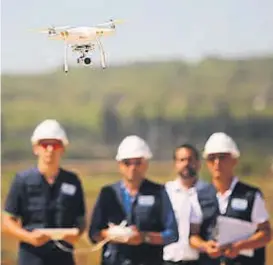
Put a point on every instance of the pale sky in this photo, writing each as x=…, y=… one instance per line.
x=153, y=29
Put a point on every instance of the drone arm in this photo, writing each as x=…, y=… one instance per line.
x=65, y=57
x=102, y=53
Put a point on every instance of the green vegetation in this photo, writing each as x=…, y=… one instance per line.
x=174, y=99
x=78, y=98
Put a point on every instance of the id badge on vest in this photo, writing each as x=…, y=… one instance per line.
x=146, y=200
x=239, y=204
x=145, y=205
x=68, y=189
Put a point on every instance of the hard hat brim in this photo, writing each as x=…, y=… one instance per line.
x=120, y=158
x=35, y=141
x=233, y=153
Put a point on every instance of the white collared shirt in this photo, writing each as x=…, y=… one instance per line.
x=223, y=199
x=183, y=200
x=259, y=213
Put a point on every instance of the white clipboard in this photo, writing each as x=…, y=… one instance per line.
x=59, y=233
x=231, y=230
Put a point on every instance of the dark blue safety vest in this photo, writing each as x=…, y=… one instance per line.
x=145, y=218
x=41, y=211
x=210, y=209
x=40, y=205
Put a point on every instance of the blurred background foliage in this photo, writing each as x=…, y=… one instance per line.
x=167, y=103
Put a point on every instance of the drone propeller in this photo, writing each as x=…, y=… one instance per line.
x=52, y=29
x=117, y=21
x=112, y=22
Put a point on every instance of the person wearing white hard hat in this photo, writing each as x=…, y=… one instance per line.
x=141, y=204
x=46, y=198
x=229, y=197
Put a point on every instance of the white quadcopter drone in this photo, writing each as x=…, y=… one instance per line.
x=82, y=40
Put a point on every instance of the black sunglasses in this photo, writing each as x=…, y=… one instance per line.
x=128, y=162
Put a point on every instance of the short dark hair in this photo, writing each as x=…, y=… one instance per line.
x=187, y=146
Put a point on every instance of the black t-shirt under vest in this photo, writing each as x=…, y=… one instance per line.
x=244, y=195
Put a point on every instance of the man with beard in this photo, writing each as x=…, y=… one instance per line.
x=182, y=193
x=45, y=196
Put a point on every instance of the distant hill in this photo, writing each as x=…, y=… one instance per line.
x=173, y=89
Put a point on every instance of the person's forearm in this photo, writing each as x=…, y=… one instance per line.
x=11, y=226
x=100, y=235
x=170, y=235
x=258, y=240
x=161, y=238
x=197, y=242
x=155, y=238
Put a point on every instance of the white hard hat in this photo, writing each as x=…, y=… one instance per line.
x=49, y=129
x=220, y=142
x=132, y=147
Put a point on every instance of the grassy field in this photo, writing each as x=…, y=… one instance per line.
x=96, y=174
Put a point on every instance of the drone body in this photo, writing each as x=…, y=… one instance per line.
x=82, y=40
x=80, y=35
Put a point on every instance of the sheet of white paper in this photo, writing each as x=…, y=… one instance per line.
x=247, y=252
x=59, y=233
x=232, y=230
